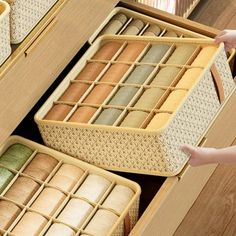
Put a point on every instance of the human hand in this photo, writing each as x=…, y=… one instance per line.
x=198, y=155
x=228, y=37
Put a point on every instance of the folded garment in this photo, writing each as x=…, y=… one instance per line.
x=41, y=166
x=165, y=76
x=139, y=74
x=108, y=116
x=158, y=121
x=15, y=156
x=155, y=53
x=123, y=96
x=149, y=98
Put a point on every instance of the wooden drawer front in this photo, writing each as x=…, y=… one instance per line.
x=177, y=194
x=27, y=74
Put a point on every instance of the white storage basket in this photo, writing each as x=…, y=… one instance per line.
x=25, y=15
x=5, y=47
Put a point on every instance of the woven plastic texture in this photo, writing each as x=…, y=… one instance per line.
x=25, y=15
x=5, y=47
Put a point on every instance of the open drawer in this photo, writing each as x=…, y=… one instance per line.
x=164, y=201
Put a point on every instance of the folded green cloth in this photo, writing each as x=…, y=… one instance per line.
x=123, y=96
x=5, y=178
x=108, y=116
x=139, y=74
x=15, y=156
x=155, y=53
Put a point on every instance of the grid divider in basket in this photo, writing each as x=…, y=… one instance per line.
x=146, y=24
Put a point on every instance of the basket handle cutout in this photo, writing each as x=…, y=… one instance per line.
x=218, y=83
x=127, y=225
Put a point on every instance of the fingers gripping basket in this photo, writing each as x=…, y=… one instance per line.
x=152, y=145
x=25, y=15
x=5, y=47
x=84, y=190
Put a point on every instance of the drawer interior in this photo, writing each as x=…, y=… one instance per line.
x=28, y=129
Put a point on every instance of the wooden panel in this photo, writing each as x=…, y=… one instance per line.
x=22, y=84
x=172, y=202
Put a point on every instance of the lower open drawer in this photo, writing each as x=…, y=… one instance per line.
x=164, y=202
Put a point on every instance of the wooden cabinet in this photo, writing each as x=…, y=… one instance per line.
x=39, y=59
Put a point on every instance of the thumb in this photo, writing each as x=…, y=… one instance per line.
x=188, y=149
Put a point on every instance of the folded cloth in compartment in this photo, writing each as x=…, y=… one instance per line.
x=119, y=198
x=66, y=177
x=108, y=116
x=58, y=229
x=173, y=100
x=93, y=188
x=131, y=52
x=189, y=78
x=139, y=74
x=152, y=30
x=15, y=156
x=170, y=34
x=123, y=96
x=165, y=76
x=107, y=51
x=48, y=201
x=91, y=71
x=181, y=54
x=83, y=114
x=158, y=121
x=58, y=112
x=22, y=190
x=115, y=24
x=155, y=53
x=5, y=178
x=74, y=92
x=98, y=94
x=8, y=213
x=134, y=119
x=133, y=28
x=101, y=223
x=31, y=224
x=149, y=98
x=115, y=73
x=75, y=212
x=204, y=56
x=41, y=166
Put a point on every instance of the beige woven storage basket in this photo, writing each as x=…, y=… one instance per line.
x=25, y=15
x=165, y=29
x=141, y=150
x=126, y=219
x=5, y=47
x=146, y=22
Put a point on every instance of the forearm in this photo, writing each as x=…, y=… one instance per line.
x=224, y=155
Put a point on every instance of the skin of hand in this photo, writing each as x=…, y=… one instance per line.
x=201, y=155
x=228, y=37
x=198, y=156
